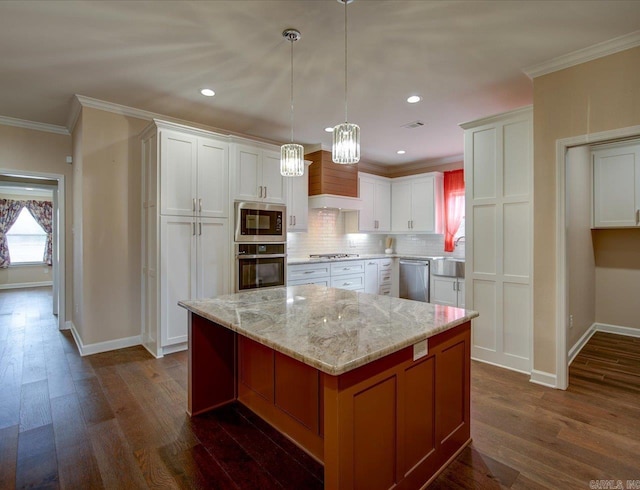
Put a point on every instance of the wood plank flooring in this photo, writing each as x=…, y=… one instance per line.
x=117, y=420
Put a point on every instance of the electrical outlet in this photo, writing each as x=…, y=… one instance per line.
x=570, y=321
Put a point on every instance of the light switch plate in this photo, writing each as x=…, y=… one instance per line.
x=420, y=349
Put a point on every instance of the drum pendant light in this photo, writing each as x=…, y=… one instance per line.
x=291, y=154
x=346, y=136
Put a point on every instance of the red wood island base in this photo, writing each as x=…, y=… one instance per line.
x=392, y=423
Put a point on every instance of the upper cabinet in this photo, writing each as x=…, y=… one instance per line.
x=298, y=201
x=193, y=173
x=256, y=174
x=616, y=186
x=416, y=203
x=375, y=194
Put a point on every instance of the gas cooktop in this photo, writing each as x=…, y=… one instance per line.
x=332, y=256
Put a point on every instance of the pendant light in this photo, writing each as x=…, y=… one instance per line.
x=291, y=154
x=346, y=136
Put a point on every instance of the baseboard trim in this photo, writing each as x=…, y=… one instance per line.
x=170, y=349
x=106, y=346
x=617, y=329
x=543, y=378
x=499, y=365
x=582, y=341
x=22, y=285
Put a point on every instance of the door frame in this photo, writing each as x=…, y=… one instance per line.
x=59, y=259
x=562, y=145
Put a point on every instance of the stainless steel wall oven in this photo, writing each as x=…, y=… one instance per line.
x=260, y=265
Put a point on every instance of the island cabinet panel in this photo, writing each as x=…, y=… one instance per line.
x=212, y=365
x=283, y=391
x=297, y=391
x=396, y=422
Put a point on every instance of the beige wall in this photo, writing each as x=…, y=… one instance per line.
x=581, y=268
x=110, y=229
x=38, y=151
x=600, y=95
x=617, y=258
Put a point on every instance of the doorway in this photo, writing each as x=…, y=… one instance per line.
x=55, y=184
x=571, y=154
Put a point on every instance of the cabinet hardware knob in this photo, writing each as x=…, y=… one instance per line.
x=265, y=191
x=194, y=228
x=200, y=228
x=200, y=204
x=193, y=204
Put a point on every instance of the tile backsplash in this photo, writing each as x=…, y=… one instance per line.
x=326, y=235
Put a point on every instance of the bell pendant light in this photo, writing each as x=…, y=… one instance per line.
x=291, y=154
x=346, y=136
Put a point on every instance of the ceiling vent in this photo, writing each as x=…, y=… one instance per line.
x=413, y=125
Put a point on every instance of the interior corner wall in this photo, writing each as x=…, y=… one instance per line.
x=599, y=95
x=617, y=257
x=39, y=151
x=581, y=269
x=110, y=226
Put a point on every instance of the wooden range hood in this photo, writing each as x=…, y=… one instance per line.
x=332, y=185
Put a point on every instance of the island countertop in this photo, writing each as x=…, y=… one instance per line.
x=332, y=330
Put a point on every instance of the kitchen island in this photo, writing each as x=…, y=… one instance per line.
x=374, y=387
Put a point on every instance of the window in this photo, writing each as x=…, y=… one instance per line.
x=26, y=240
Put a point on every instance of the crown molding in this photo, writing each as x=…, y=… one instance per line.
x=122, y=110
x=37, y=126
x=590, y=53
x=496, y=117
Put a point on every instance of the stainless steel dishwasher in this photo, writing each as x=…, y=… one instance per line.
x=414, y=280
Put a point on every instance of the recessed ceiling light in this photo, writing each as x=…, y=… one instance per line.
x=328, y=130
x=207, y=92
x=400, y=152
x=413, y=99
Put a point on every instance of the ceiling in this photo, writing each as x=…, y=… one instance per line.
x=465, y=58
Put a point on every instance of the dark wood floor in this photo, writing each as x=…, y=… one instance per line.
x=117, y=420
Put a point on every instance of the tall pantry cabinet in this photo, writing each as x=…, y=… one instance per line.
x=185, y=228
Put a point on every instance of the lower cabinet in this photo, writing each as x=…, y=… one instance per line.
x=447, y=291
x=194, y=263
x=378, y=276
x=347, y=274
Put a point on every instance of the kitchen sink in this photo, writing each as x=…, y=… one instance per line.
x=447, y=267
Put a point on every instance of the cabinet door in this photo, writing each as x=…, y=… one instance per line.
x=177, y=277
x=247, y=168
x=382, y=201
x=367, y=218
x=212, y=264
x=400, y=206
x=274, y=185
x=616, y=176
x=178, y=153
x=371, y=276
x=461, y=300
x=298, y=203
x=423, y=205
x=212, y=191
x=444, y=291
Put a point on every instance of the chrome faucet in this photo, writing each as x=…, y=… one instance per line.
x=458, y=240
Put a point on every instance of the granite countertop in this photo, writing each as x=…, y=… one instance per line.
x=308, y=260
x=333, y=330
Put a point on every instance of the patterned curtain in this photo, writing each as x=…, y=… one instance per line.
x=42, y=212
x=9, y=211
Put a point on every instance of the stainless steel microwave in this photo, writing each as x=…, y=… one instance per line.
x=260, y=222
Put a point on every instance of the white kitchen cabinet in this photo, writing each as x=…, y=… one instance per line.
x=447, y=291
x=343, y=274
x=616, y=186
x=378, y=276
x=417, y=203
x=375, y=213
x=193, y=264
x=256, y=174
x=185, y=229
x=193, y=173
x=298, y=202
